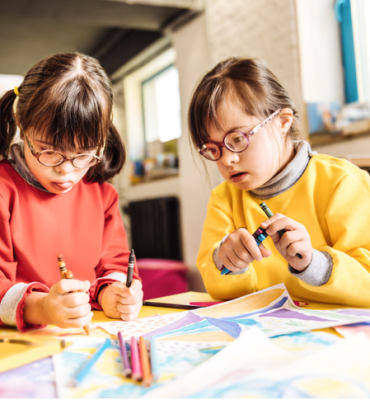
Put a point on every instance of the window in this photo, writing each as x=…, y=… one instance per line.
x=161, y=100
x=152, y=103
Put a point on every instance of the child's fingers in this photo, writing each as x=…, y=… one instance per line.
x=264, y=252
x=75, y=299
x=132, y=290
x=249, y=242
x=288, y=238
x=278, y=222
x=301, y=248
x=79, y=312
x=78, y=322
x=129, y=317
x=128, y=309
x=231, y=261
x=240, y=252
x=68, y=285
x=137, y=298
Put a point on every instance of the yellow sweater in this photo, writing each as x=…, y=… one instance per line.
x=332, y=200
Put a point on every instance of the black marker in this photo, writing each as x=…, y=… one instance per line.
x=130, y=268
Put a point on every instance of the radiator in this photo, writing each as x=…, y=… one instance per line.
x=155, y=228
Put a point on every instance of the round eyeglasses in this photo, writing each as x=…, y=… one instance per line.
x=234, y=141
x=52, y=158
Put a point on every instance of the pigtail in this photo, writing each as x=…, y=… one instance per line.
x=113, y=158
x=8, y=126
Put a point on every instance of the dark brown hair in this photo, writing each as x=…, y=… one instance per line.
x=250, y=83
x=68, y=98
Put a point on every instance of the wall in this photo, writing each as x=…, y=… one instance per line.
x=192, y=61
x=320, y=51
x=264, y=29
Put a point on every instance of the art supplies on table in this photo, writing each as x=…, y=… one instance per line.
x=20, y=349
x=85, y=369
x=127, y=371
x=145, y=364
x=137, y=374
x=187, y=339
x=130, y=268
x=170, y=305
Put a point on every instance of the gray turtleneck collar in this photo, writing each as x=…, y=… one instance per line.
x=17, y=161
x=289, y=175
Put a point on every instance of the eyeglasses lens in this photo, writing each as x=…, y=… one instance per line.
x=211, y=152
x=236, y=141
x=84, y=161
x=52, y=158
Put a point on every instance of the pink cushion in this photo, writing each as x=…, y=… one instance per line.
x=161, y=277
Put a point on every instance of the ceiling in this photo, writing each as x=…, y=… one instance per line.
x=114, y=31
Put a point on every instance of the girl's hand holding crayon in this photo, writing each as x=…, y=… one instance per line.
x=67, y=304
x=119, y=301
x=295, y=240
x=240, y=249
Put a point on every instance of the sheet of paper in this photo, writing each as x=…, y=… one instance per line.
x=254, y=366
x=272, y=310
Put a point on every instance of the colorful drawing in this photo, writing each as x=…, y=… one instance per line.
x=190, y=340
x=37, y=381
x=254, y=366
x=350, y=330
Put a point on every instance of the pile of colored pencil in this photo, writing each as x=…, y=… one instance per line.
x=143, y=364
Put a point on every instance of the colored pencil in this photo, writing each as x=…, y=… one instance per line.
x=154, y=358
x=125, y=363
x=135, y=361
x=145, y=365
x=91, y=362
x=170, y=305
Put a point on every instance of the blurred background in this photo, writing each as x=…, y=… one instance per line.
x=155, y=51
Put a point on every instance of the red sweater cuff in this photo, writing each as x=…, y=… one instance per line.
x=19, y=317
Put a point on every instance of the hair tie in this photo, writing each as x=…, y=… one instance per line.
x=16, y=91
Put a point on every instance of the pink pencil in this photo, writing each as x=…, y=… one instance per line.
x=135, y=361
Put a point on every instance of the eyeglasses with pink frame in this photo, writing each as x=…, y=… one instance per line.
x=213, y=151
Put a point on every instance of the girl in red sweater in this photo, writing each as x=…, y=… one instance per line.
x=54, y=198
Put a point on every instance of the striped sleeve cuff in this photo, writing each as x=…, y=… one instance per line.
x=318, y=272
x=12, y=304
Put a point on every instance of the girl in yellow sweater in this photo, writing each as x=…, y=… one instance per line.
x=243, y=119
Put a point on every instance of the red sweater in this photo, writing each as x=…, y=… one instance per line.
x=83, y=224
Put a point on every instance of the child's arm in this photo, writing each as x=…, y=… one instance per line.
x=113, y=263
x=219, y=223
x=346, y=222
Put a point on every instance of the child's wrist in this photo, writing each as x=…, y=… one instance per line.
x=36, y=310
x=101, y=293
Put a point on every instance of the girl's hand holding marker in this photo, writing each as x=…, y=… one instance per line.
x=291, y=239
x=123, y=301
